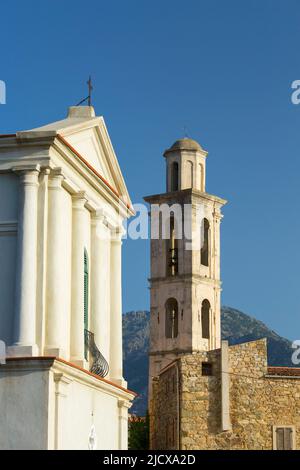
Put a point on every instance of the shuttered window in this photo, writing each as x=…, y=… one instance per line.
x=86, y=299
x=284, y=438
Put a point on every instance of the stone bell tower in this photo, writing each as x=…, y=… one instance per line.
x=185, y=260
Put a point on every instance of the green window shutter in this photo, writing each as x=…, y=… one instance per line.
x=86, y=299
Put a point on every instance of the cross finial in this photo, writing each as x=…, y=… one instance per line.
x=89, y=97
x=90, y=88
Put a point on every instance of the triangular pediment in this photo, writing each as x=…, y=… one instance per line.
x=94, y=144
x=88, y=144
x=88, y=135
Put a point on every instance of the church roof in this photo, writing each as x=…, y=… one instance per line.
x=52, y=359
x=284, y=371
x=79, y=117
x=84, y=135
x=184, y=144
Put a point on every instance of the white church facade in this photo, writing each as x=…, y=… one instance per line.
x=62, y=203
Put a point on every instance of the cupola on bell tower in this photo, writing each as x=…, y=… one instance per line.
x=185, y=284
x=185, y=165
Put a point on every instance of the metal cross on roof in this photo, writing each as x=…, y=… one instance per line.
x=89, y=97
x=90, y=88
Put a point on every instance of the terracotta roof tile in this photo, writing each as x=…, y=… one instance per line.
x=284, y=371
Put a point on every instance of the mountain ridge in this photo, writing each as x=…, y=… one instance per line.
x=236, y=326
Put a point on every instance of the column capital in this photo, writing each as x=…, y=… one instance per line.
x=79, y=200
x=55, y=178
x=100, y=225
x=46, y=170
x=99, y=215
x=28, y=174
x=56, y=171
x=60, y=377
x=117, y=234
x=124, y=403
x=218, y=216
x=62, y=381
x=24, y=169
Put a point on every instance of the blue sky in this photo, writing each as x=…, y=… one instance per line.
x=224, y=70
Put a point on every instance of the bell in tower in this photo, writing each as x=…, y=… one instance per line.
x=185, y=286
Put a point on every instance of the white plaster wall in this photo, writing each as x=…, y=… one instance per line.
x=46, y=408
x=80, y=408
x=9, y=190
x=23, y=409
x=9, y=194
x=8, y=247
x=50, y=408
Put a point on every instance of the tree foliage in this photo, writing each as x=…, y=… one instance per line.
x=138, y=438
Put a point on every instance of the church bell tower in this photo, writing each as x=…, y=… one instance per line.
x=185, y=281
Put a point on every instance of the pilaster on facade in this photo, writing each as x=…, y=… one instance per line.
x=123, y=406
x=78, y=252
x=62, y=382
x=26, y=269
x=100, y=281
x=42, y=256
x=55, y=252
x=116, y=366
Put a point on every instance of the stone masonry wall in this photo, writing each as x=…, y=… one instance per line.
x=164, y=420
x=200, y=402
x=257, y=402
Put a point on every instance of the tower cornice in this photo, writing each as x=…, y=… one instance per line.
x=184, y=196
x=189, y=278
